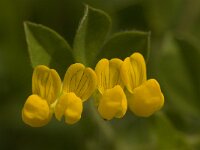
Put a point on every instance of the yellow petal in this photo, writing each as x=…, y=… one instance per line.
x=133, y=71
x=46, y=83
x=70, y=106
x=80, y=80
x=146, y=99
x=108, y=74
x=113, y=103
x=36, y=112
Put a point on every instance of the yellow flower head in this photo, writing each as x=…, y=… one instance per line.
x=46, y=85
x=110, y=76
x=112, y=100
x=144, y=96
x=78, y=85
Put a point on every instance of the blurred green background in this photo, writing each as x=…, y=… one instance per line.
x=174, y=60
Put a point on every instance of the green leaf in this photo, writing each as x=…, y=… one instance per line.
x=46, y=47
x=91, y=34
x=123, y=44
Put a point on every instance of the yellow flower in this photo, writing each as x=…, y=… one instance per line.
x=111, y=98
x=49, y=96
x=78, y=85
x=46, y=85
x=144, y=96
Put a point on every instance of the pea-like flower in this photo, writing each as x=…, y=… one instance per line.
x=144, y=96
x=78, y=85
x=49, y=95
x=111, y=97
x=46, y=85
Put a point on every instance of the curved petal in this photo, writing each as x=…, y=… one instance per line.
x=133, y=71
x=80, y=80
x=36, y=112
x=146, y=99
x=108, y=74
x=46, y=83
x=113, y=103
x=70, y=106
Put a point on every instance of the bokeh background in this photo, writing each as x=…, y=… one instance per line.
x=174, y=61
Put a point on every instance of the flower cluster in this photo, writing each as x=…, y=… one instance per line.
x=115, y=85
